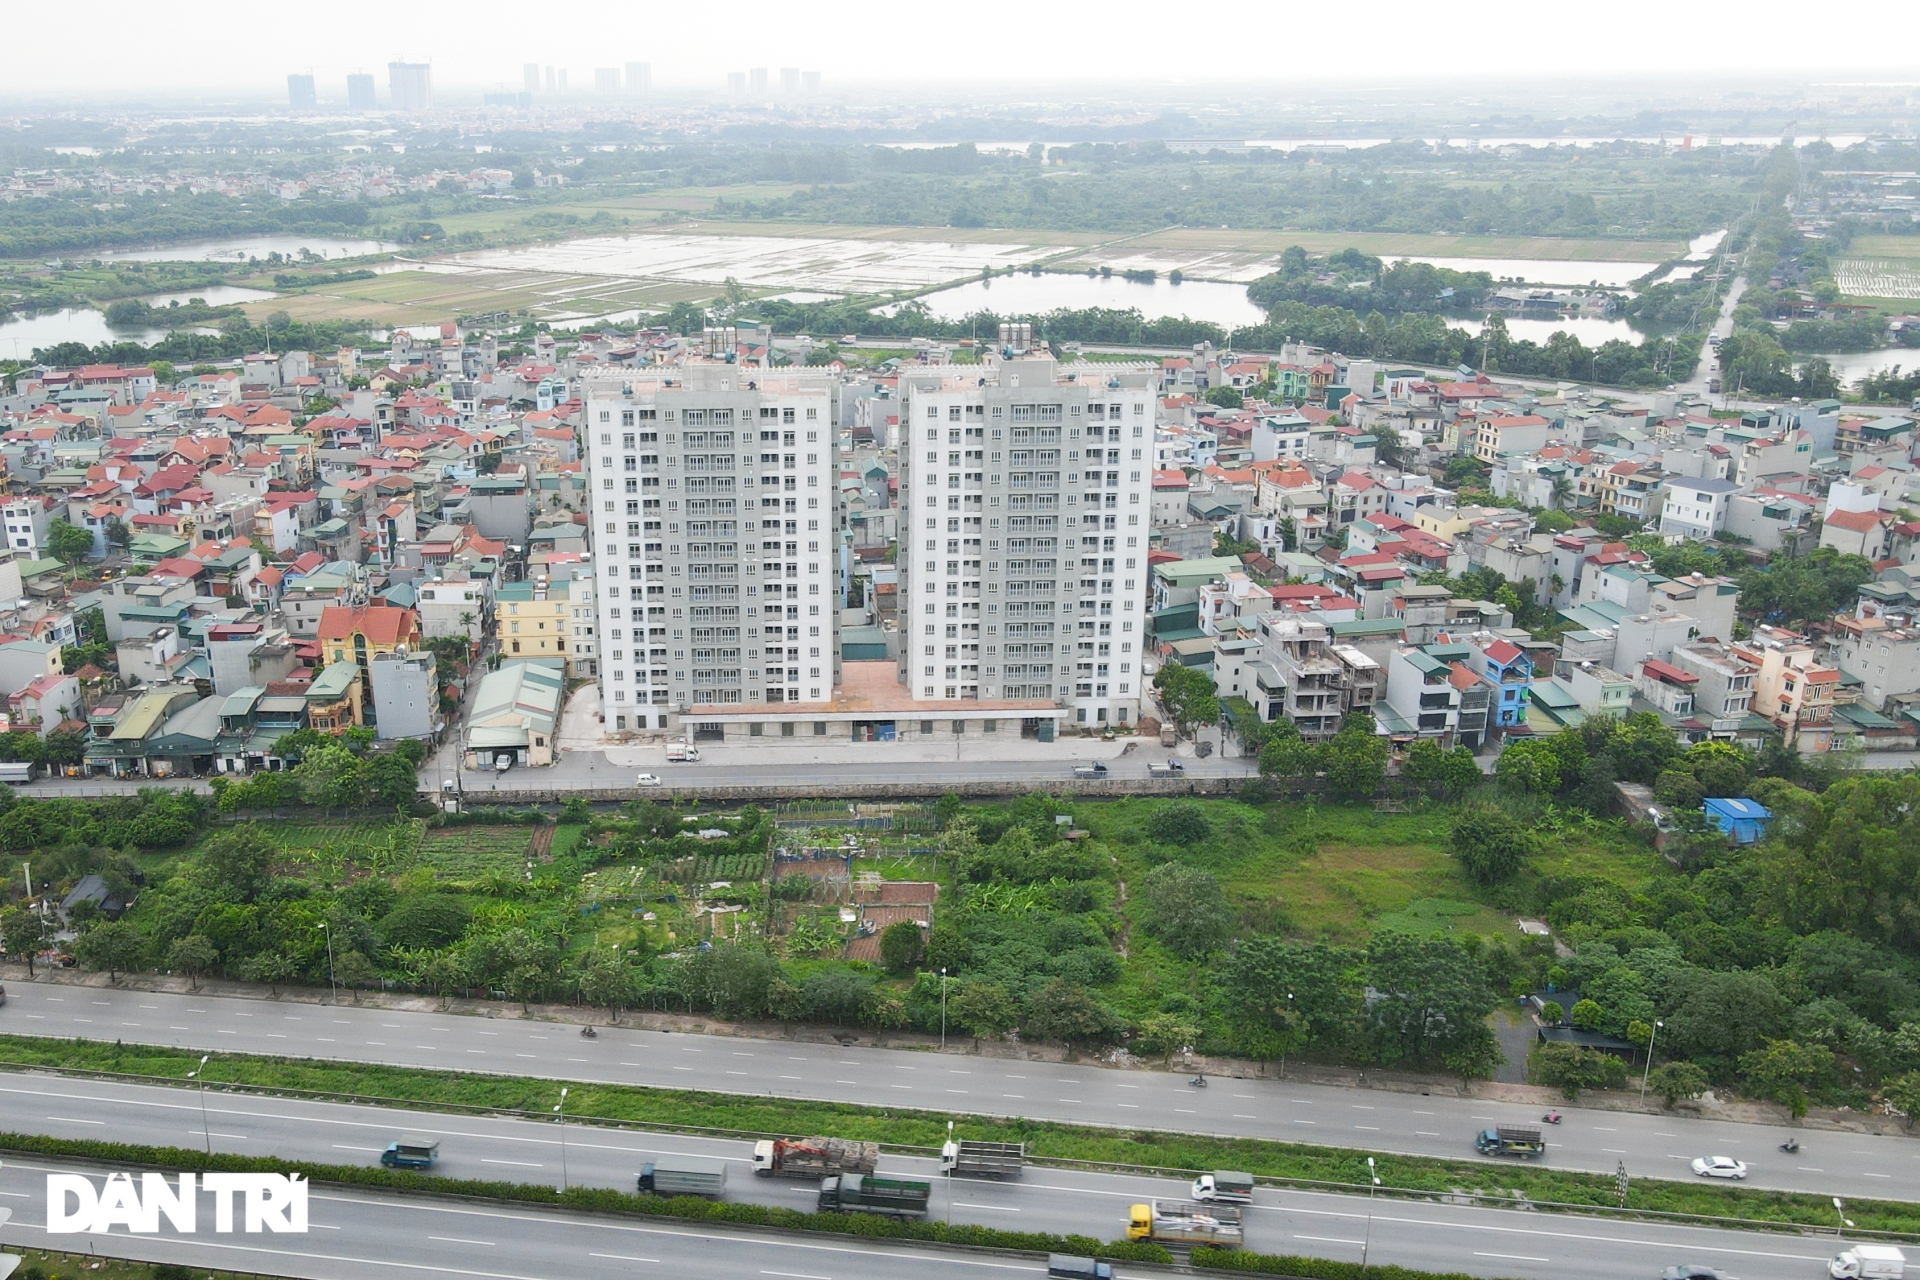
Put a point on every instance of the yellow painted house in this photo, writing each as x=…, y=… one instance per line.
x=533, y=620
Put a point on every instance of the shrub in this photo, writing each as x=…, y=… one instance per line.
x=1570, y=1069
x=1491, y=847
x=1182, y=824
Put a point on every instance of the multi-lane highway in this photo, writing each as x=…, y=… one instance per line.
x=351, y=1230
x=1657, y=1145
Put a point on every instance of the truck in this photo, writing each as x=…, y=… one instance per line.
x=865, y=1193
x=1165, y=769
x=983, y=1159
x=1223, y=1186
x=1069, y=1266
x=813, y=1157
x=1186, y=1222
x=16, y=773
x=1098, y=769
x=411, y=1152
x=684, y=1176
x=682, y=753
x=1510, y=1140
x=1869, y=1262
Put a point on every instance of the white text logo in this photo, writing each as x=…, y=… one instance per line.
x=271, y=1202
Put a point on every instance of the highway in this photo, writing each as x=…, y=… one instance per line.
x=1657, y=1145
x=351, y=1229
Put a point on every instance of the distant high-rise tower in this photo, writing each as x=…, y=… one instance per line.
x=410, y=85
x=561, y=83
x=552, y=80
x=606, y=80
x=789, y=81
x=530, y=74
x=639, y=78
x=736, y=84
x=360, y=92
x=301, y=95
x=810, y=83
x=757, y=82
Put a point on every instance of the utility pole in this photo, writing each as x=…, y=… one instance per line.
x=1366, y=1241
x=561, y=1120
x=197, y=1076
x=943, y=1011
x=331, y=980
x=1648, y=1070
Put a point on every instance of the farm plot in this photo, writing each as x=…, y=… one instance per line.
x=472, y=853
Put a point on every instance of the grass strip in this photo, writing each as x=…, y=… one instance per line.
x=1283, y=1162
x=1269, y=1264
x=51, y=1264
x=591, y=1199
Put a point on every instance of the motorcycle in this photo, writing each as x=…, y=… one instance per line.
x=1198, y=1082
x=1552, y=1117
x=589, y=1033
x=1790, y=1146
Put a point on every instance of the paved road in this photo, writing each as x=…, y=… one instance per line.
x=1364, y=1119
x=1722, y=326
x=1437, y=1237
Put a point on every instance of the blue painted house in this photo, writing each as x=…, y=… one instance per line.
x=1506, y=666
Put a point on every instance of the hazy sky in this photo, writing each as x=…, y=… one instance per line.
x=224, y=46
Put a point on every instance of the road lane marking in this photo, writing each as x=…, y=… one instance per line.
x=1370, y=1128
x=1068, y=1100
x=1510, y=1257
x=1327, y=1239
x=461, y=1240
x=999, y=1208
x=1604, y=1129
x=795, y=1275
x=1807, y=1168
x=341, y=1146
x=71, y=1120
x=1021, y=1096
x=1876, y=1175
x=1130, y=1106
x=1238, y=1116
x=1422, y=1133
x=621, y=1257
x=1613, y=1151
x=1355, y=1106
x=523, y=1164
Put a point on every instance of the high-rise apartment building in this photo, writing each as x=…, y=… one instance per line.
x=757, y=81
x=639, y=78
x=410, y=85
x=606, y=81
x=712, y=501
x=810, y=82
x=1024, y=523
x=301, y=93
x=360, y=92
x=736, y=84
x=789, y=82
x=530, y=76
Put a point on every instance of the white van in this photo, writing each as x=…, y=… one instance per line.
x=1869, y=1262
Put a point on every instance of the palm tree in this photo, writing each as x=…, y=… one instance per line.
x=1562, y=490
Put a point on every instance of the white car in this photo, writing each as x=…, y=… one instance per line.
x=1719, y=1167
x=649, y=780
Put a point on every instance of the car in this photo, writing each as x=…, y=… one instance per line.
x=648, y=780
x=1719, y=1167
x=1691, y=1271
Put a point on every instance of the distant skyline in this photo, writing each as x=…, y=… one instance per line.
x=224, y=49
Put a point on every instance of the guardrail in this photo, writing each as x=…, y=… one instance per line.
x=905, y=788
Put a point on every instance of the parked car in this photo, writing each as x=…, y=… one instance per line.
x=1691, y=1271
x=3, y=995
x=1719, y=1167
x=648, y=780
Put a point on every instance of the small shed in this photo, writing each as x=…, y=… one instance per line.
x=1743, y=821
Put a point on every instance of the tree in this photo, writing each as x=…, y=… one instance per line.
x=1675, y=1081
x=1903, y=1095
x=239, y=862
x=68, y=543
x=112, y=945
x=20, y=933
x=1570, y=1069
x=1286, y=756
x=354, y=970
x=901, y=946
x=392, y=781
x=1225, y=397
x=332, y=777
x=984, y=1009
x=1588, y=1015
x=1784, y=1072
x=1532, y=765
x=1190, y=695
x=272, y=966
x=607, y=981
x=1431, y=997
x=1064, y=1011
x=1489, y=844
x=1186, y=910
x=193, y=955
x=1356, y=759
x=1184, y=824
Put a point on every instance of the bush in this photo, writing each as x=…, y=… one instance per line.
x=1182, y=824
x=1186, y=910
x=429, y=920
x=1675, y=1081
x=1490, y=846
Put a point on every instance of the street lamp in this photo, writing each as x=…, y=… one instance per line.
x=949, y=1163
x=331, y=980
x=1845, y=1221
x=561, y=1120
x=195, y=1076
x=1366, y=1241
x=1648, y=1069
x=1283, y=1039
x=943, y=1011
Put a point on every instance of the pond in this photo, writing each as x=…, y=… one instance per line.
x=1222, y=304
x=1565, y=272
x=19, y=335
x=240, y=249
x=1590, y=330
x=215, y=295
x=1851, y=366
